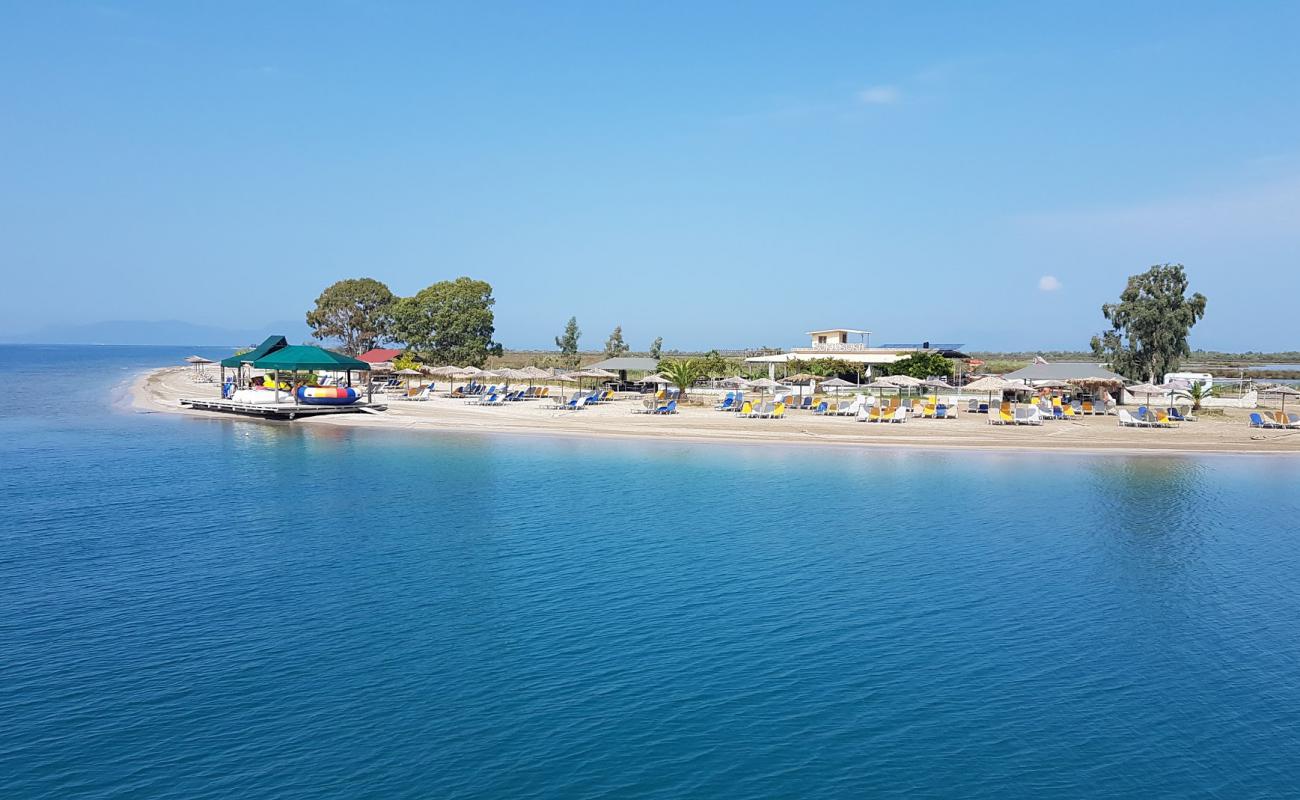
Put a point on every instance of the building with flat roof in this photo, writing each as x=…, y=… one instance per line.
x=838, y=343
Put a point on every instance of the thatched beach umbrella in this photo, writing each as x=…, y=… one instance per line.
x=198, y=362
x=902, y=380
x=992, y=384
x=467, y=372
x=534, y=373
x=449, y=372
x=1283, y=390
x=836, y=384
x=407, y=373
x=763, y=385
x=511, y=374
x=1146, y=389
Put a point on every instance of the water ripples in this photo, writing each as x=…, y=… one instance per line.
x=205, y=611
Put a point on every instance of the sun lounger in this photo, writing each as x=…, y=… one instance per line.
x=821, y=408
x=900, y=415
x=1127, y=420
x=1284, y=421
x=779, y=411
x=669, y=408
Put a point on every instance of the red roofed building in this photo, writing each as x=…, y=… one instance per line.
x=379, y=355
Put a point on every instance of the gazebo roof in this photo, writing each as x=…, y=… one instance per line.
x=270, y=345
x=309, y=357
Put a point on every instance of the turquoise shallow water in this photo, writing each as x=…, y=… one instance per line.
x=197, y=609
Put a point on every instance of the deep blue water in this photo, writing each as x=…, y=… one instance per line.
x=213, y=609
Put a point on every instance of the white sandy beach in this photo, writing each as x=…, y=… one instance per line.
x=161, y=390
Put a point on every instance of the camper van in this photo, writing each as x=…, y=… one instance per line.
x=1191, y=378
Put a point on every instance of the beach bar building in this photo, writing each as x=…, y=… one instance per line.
x=380, y=359
x=625, y=364
x=853, y=346
x=1092, y=378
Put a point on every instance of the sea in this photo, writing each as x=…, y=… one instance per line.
x=194, y=608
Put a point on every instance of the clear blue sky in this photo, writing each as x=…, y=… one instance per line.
x=722, y=176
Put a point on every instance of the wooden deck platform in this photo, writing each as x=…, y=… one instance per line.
x=284, y=411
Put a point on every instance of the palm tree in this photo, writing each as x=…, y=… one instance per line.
x=1197, y=393
x=683, y=374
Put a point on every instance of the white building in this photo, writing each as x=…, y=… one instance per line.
x=837, y=343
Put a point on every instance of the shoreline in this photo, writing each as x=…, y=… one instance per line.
x=159, y=390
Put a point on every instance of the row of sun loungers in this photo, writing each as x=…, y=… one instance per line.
x=1146, y=418
x=1005, y=414
x=1274, y=419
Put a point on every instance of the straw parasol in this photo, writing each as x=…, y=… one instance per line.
x=735, y=382
x=198, y=362
x=836, y=384
x=656, y=379
x=511, y=374
x=407, y=373
x=1146, y=389
x=1283, y=390
x=467, y=372
x=763, y=385
x=990, y=385
x=532, y=373
x=906, y=381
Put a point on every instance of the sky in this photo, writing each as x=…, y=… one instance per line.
x=721, y=175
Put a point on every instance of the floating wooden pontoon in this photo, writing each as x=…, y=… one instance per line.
x=287, y=411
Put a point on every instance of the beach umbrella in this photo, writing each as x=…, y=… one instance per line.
x=198, y=362
x=468, y=372
x=449, y=372
x=836, y=384
x=991, y=384
x=902, y=380
x=511, y=374
x=534, y=373
x=879, y=386
x=1146, y=389
x=656, y=379
x=407, y=373
x=1283, y=390
x=735, y=382
x=763, y=385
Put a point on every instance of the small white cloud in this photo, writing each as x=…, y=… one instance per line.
x=1048, y=283
x=880, y=95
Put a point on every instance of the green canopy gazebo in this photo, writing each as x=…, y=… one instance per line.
x=308, y=358
x=238, y=362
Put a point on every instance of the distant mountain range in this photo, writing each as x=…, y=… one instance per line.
x=171, y=332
